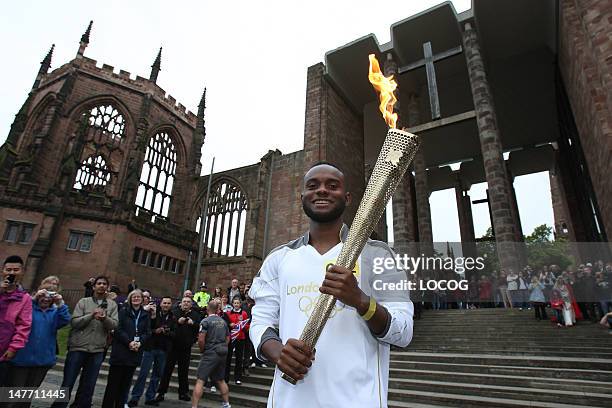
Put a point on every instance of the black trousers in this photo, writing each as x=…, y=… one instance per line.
x=4, y=368
x=19, y=377
x=238, y=346
x=117, y=385
x=588, y=313
x=540, y=310
x=249, y=351
x=182, y=358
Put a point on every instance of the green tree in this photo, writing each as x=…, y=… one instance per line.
x=543, y=250
x=487, y=249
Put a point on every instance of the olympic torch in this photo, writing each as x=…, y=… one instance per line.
x=395, y=156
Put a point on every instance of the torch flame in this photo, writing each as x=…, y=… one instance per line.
x=385, y=86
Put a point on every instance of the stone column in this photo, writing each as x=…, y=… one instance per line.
x=514, y=206
x=421, y=188
x=466, y=222
x=404, y=225
x=422, y=202
x=500, y=195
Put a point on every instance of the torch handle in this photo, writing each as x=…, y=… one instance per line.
x=395, y=156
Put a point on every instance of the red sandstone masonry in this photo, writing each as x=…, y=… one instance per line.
x=114, y=243
x=585, y=56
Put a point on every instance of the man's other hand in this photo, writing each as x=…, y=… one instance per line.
x=295, y=359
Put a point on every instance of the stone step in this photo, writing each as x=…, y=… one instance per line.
x=497, y=359
x=443, y=399
x=532, y=394
x=540, y=372
x=523, y=341
x=551, y=329
x=509, y=351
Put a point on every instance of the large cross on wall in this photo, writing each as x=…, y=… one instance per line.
x=428, y=62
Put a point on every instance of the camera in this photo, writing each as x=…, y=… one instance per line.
x=104, y=304
x=10, y=279
x=50, y=294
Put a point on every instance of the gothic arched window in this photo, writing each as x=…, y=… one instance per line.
x=157, y=176
x=225, y=220
x=93, y=174
x=107, y=123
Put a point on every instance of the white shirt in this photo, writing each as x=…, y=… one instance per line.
x=352, y=364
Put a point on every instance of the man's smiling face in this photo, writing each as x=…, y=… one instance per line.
x=324, y=197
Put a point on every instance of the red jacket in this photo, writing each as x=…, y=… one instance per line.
x=236, y=318
x=485, y=290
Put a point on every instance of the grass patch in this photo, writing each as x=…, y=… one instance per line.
x=62, y=339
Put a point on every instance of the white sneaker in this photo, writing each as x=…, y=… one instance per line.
x=252, y=365
x=238, y=382
x=225, y=405
x=213, y=389
x=264, y=366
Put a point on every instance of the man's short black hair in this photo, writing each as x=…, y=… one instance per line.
x=14, y=259
x=104, y=278
x=326, y=163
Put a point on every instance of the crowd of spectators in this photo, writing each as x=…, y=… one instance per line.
x=582, y=292
x=156, y=334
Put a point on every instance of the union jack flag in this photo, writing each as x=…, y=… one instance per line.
x=237, y=328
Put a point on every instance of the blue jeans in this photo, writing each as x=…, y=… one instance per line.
x=90, y=364
x=157, y=359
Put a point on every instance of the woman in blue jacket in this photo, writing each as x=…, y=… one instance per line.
x=30, y=365
x=133, y=330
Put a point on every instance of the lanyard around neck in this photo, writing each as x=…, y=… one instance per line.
x=137, y=318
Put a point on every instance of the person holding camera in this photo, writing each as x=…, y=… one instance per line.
x=133, y=330
x=163, y=326
x=187, y=325
x=31, y=363
x=15, y=313
x=92, y=320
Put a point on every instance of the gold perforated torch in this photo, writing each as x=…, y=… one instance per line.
x=395, y=156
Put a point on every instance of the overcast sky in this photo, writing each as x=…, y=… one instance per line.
x=251, y=55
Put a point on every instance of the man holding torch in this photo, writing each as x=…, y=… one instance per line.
x=352, y=354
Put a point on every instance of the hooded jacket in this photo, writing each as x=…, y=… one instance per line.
x=40, y=348
x=15, y=320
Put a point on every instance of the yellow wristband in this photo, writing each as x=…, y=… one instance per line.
x=371, y=310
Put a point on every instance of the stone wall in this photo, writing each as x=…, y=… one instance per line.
x=585, y=60
x=112, y=254
x=334, y=132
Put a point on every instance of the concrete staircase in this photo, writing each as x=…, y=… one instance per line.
x=477, y=358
